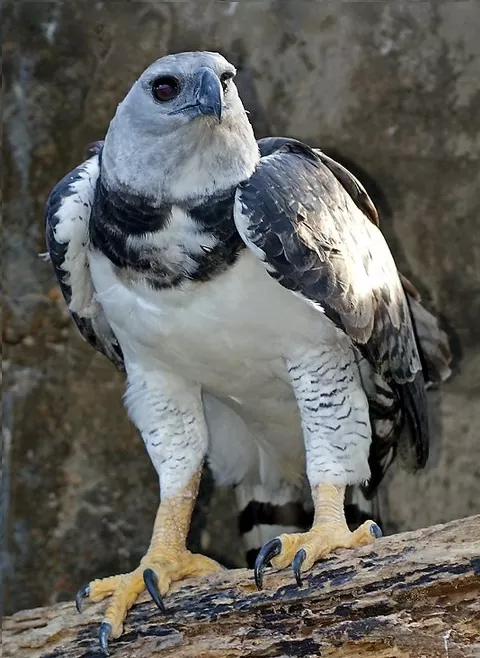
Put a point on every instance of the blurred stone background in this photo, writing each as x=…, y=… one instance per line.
x=392, y=88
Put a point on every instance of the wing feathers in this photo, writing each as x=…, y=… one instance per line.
x=316, y=229
x=67, y=215
x=317, y=244
x=352, y=185
x=434, y=344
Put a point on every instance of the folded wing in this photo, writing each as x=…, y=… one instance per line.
x=67, y=216
x=315, y=228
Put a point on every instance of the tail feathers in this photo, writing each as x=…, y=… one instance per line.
x=434, y=345
x=264, y=515
x=261, y=533
x=414, y=440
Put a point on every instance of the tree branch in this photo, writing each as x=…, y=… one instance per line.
x=414, y=594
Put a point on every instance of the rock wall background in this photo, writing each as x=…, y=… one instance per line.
x=391, y=87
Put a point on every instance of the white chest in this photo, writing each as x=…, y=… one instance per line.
x=235, y=326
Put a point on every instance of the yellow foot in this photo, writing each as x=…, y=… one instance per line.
x=157, y=571
x=303, y=549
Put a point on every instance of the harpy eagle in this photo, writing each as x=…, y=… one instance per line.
x=247, y=292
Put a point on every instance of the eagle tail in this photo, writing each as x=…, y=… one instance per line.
x=264, y=514
x=413, y=441
x=433, y=342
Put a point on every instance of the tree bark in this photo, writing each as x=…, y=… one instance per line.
x=416, y=594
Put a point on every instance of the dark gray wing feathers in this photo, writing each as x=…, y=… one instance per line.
x=318, y=245
x=352, y=185
x=300, y=212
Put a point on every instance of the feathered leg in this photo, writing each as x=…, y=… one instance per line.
x=337, y=435
x=167, y=560
x=169, y=414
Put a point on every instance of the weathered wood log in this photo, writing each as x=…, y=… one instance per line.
x=416, y=594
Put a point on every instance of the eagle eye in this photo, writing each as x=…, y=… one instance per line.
x=225, y=77
x=165, y=88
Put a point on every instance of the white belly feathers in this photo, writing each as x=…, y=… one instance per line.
x=231, y=335
x=226, y=334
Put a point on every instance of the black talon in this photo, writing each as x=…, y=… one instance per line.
x=376, y=531
x=298, y=560
x=83, y=593
x=271, y=549
x=151, y=583
x=103, y=635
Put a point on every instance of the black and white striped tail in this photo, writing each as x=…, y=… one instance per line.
x=264, y=515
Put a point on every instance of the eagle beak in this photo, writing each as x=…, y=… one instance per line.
x=208, y=94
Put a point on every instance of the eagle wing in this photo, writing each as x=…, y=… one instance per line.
x=432, y=341
x=315, y=228
x=67, y=216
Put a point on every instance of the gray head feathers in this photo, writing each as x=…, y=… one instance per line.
x=181, y=133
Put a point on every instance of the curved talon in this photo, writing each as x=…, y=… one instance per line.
x=83, y=593
x=376, y=531
x=298, y=560
x=271, y=549
x=103, y=635
x=151, y=583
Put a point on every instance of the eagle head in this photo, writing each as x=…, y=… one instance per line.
x=181, y=133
